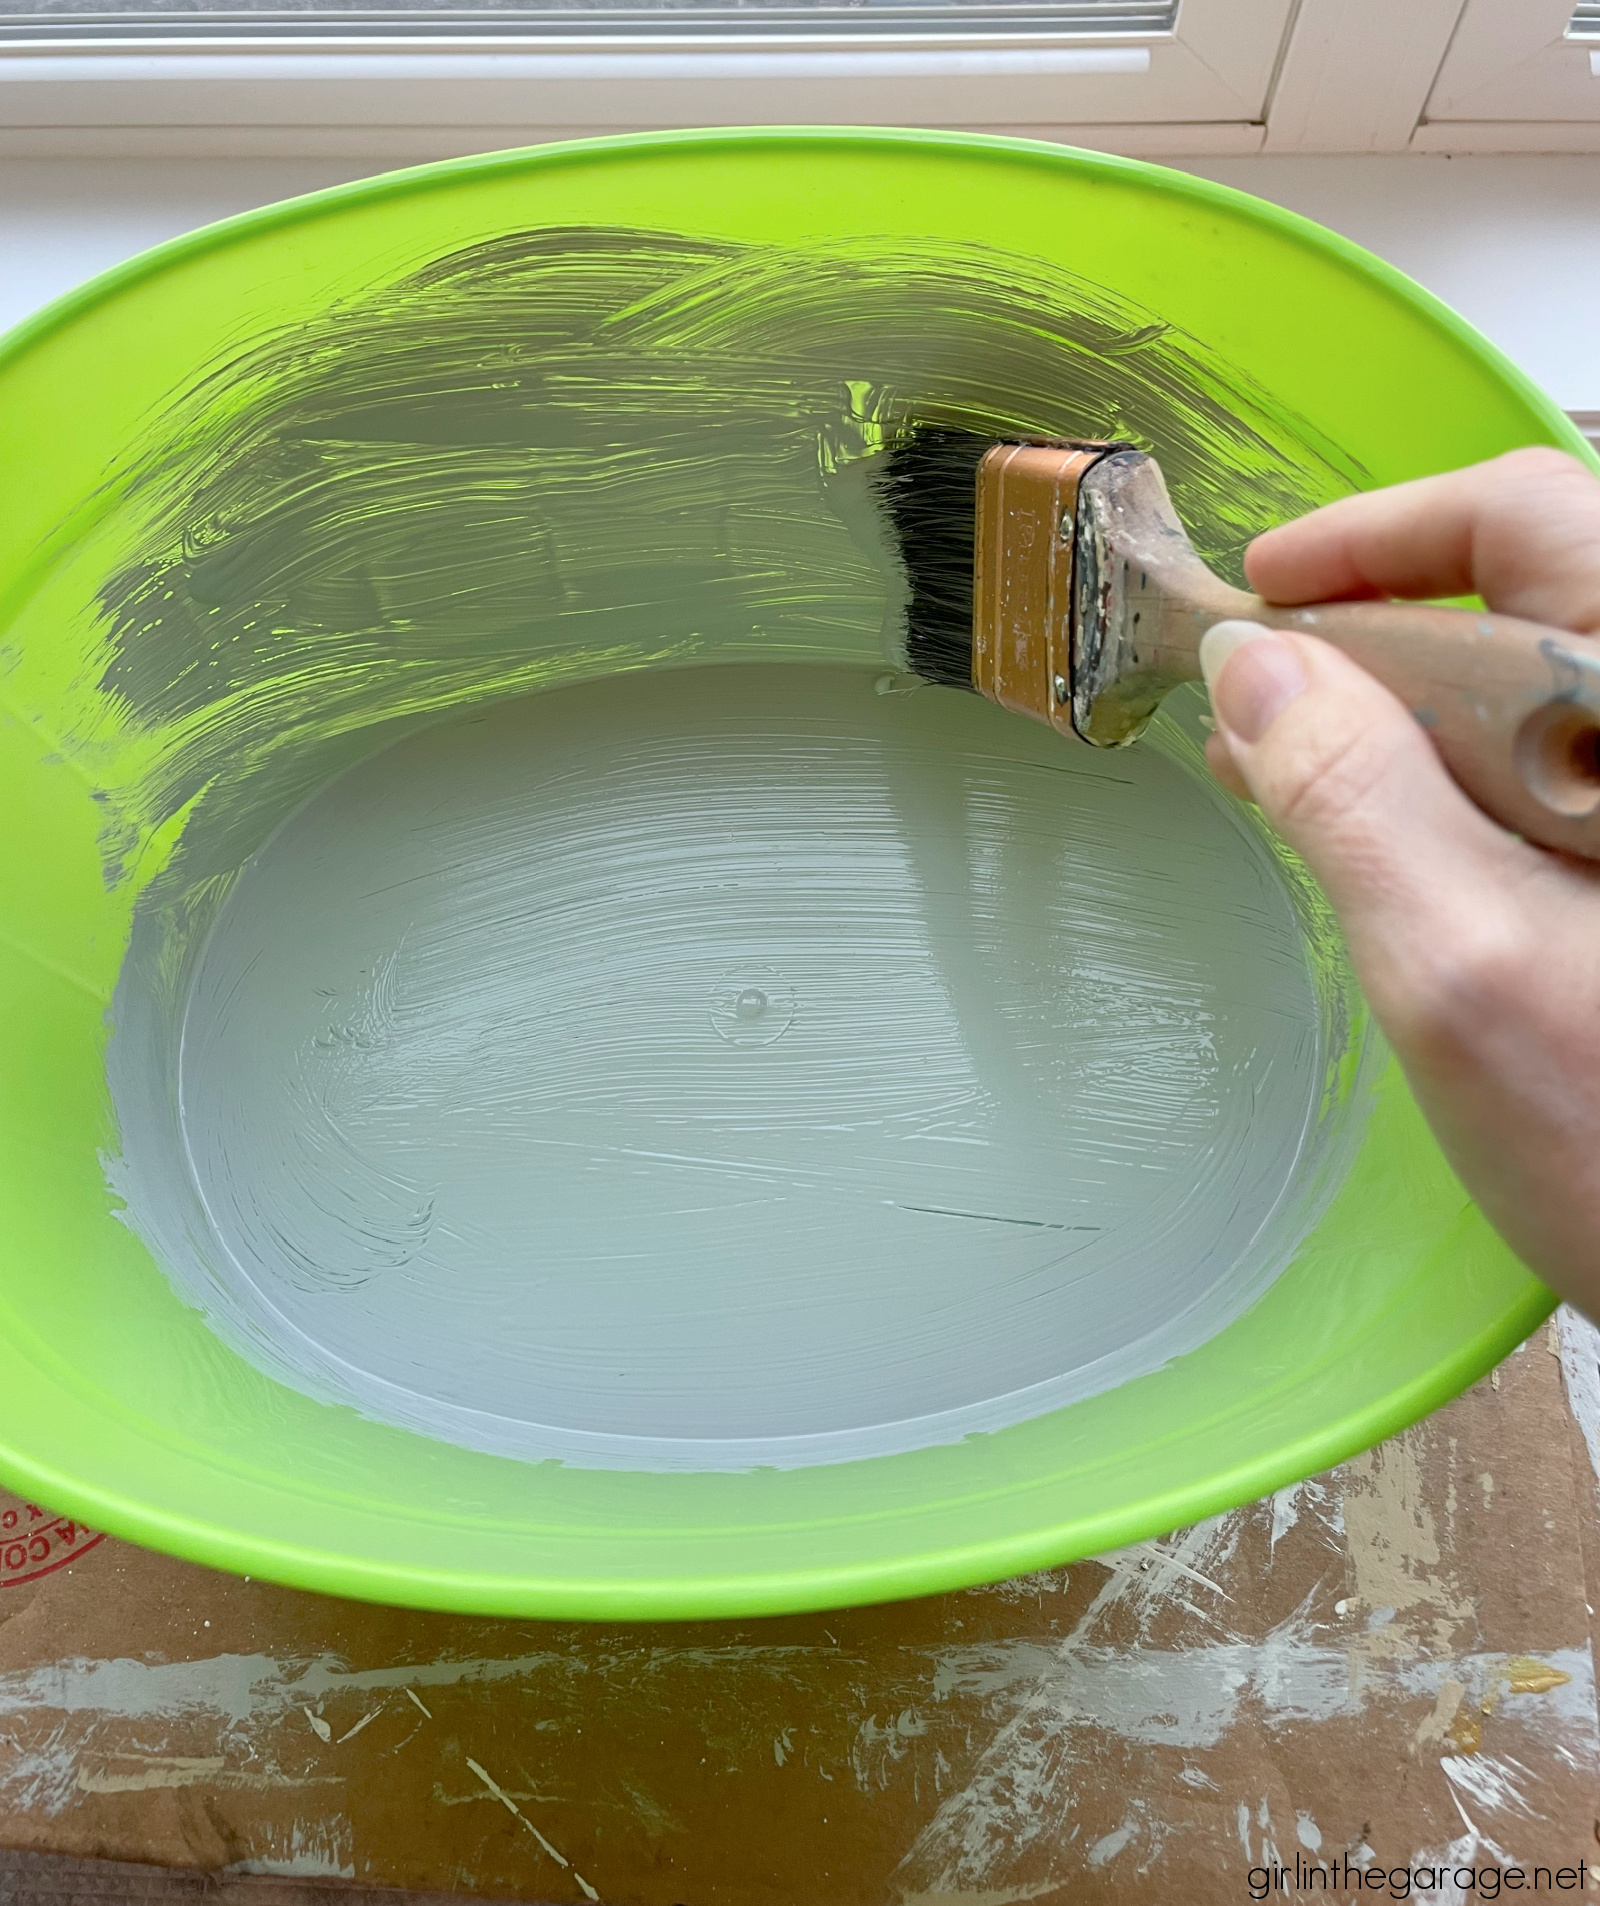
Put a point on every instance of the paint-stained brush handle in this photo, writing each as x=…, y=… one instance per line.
x=1513, y=707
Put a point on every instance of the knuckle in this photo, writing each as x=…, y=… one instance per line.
x=1328, y=783
x=1542, y=461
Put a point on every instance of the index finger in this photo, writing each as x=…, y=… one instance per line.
x=1522, y=531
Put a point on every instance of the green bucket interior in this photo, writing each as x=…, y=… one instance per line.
x=121, y=1406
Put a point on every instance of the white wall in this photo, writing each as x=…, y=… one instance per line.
x=1512, y=243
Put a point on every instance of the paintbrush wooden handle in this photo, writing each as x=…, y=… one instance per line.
x=1513, y=707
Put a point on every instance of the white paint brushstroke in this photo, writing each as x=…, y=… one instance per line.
x=1578, y=1346
x=152, y=1771
x=1472, y=1848
x=1145, y=1556
x=1492, y=1780
x=322, y=1849
x=1288, y=1504
x=1022, y=1787
x=243, y=1689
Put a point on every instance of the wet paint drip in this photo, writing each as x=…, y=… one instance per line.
x=752, y=1006
x=734, y=1066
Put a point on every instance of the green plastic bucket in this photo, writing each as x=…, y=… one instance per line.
x=119, y=1405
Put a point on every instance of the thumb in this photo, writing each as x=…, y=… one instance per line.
x=1351, y=782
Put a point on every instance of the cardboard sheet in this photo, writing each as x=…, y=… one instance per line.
x=1389, y=1666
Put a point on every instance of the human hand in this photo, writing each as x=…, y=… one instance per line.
x=1479, y=954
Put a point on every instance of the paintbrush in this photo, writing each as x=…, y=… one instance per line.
x=1056, y=579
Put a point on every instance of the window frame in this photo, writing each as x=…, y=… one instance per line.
x=1200, y=87
x=1514, y=79
x=1230, y=77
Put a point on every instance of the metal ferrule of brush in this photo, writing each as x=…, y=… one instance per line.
x=1089, y=601
x=1024, y=559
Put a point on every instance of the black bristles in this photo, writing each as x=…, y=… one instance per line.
x=929, y=487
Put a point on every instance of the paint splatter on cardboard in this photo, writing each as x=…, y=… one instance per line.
x=1158, y=1720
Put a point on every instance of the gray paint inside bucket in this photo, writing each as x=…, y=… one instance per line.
x=580, y=1017
x=729, y=1066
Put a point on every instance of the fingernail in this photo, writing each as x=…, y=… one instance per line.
x=1220, y=641
x=1260, y=686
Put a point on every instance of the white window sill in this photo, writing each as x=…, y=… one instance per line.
x=426, y=96
x=269, y=63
